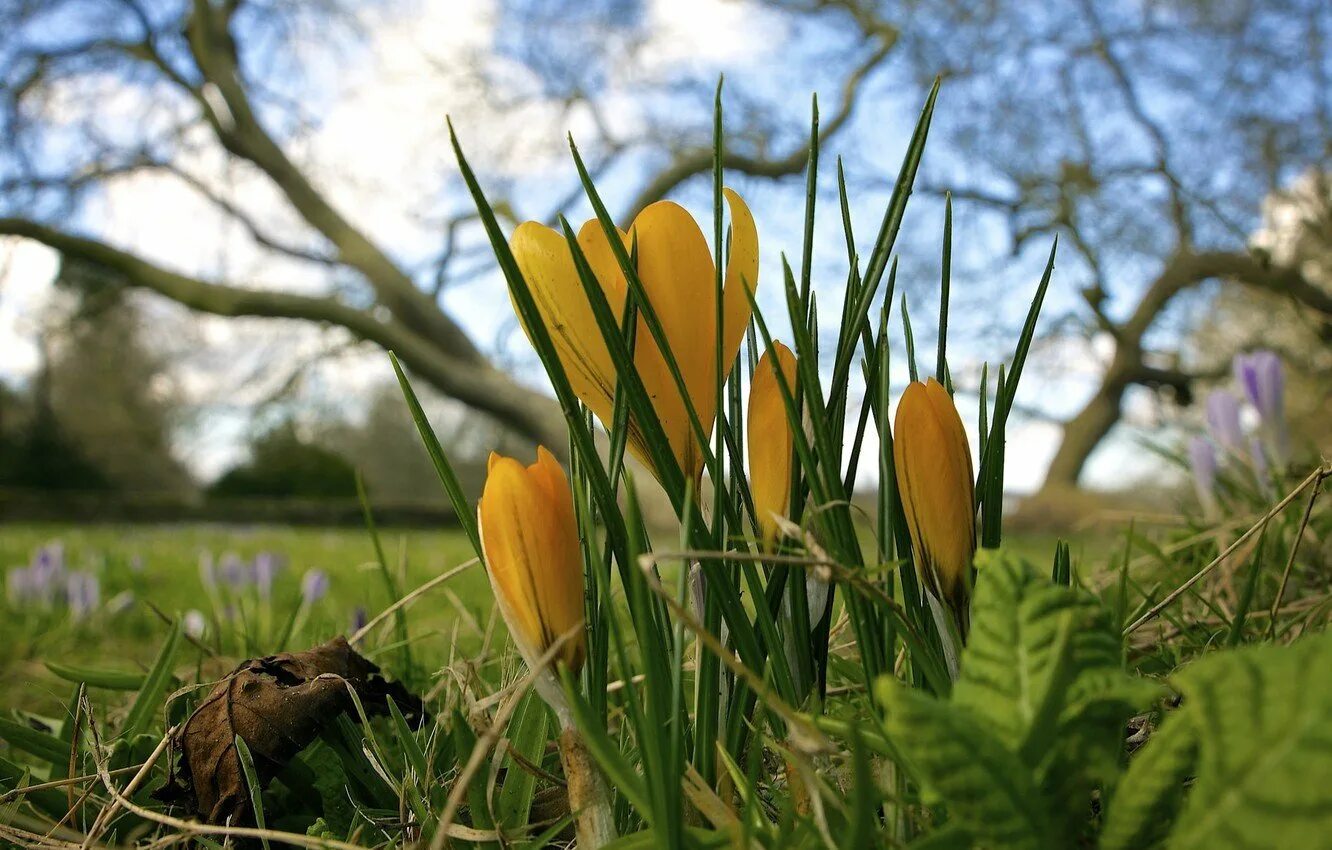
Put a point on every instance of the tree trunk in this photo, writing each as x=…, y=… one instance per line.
x=1085, y=431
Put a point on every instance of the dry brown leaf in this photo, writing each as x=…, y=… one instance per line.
x=278, y=705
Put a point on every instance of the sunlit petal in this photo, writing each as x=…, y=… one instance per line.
x=742, y=269
x=934, y=477
x=770, y=441
x=547, y=265
x=530, y=542
x=677, y=273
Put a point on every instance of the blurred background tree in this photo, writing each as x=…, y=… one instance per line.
x=284, y=463
x=111, y=395
x=1147, y=137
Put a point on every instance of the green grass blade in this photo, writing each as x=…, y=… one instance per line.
x=252, y=786
x=390, y=583
x=462, y=506
x=110, y=680
x=941, y=363
x=148, y=704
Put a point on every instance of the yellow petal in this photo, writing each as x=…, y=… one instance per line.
x=677, y=273
x=770, y=441
x=742, y=268
x=934, y=477
x=530, y=542
x=547, y=265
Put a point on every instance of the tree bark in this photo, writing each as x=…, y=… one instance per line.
x=1187, y=269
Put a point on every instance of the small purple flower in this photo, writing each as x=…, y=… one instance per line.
x=314, y=585
x=1258, y=458
x=45, y=579
x=1202, y=460
x=1261, y=376
x=359, y=618
x=263, y=570
x=194, y=623
x=83, y=592
x=233, y=571
x=18, y=585
x=1223, y=421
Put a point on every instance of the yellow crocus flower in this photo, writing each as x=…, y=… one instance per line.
x=529, y=539
x=770, y=441
x=676, y=268
x=934, y=478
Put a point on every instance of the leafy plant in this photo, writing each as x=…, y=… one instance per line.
x=1031, y=739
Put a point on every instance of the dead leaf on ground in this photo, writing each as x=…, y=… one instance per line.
x=278, y=704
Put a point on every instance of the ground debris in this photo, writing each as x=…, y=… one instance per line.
x=278, y=705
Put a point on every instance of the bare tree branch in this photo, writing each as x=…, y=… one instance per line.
x=477, y=385
x=690, y=163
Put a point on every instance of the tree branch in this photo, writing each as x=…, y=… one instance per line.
x=478, y=385
x=699, y=160
x=1188, y=269
x=237, y=127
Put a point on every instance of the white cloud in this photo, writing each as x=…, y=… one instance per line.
x=27, y=271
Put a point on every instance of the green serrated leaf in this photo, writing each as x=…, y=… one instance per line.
x=1013, y=672
x=950, y=748
x=1263, y=717
x=1150, y=794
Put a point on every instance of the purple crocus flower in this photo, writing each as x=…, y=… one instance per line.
x=1202, y=460
x=263, y=570
x=18, y=585
x=359, y=618
x=1223, y=421
x=314, y=585
x=1261, y=377
x=232, y=570
x=83, y=592
x=1258, y=458
x=46, y=575
x=1263, y=380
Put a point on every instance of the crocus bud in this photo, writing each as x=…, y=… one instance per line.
x=264, y=570
x=314, y=585
x=529, y=538
x=83, y=593
x=770, y=441
x=934, y=478
x=1258, y=459
x=194, y=623
x=1223, y=421
x=1264, y=383
x=1202, y=461
x=233, y=570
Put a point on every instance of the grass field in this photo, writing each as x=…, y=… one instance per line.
x=144, y=570
x=149, y=573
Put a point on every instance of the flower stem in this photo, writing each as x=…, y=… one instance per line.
x=589, y=798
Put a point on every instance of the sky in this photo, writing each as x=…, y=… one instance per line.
x=379, y=150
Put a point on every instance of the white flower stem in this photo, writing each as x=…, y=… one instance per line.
x=589, y=797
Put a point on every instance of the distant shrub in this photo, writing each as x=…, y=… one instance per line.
x=284, y=464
